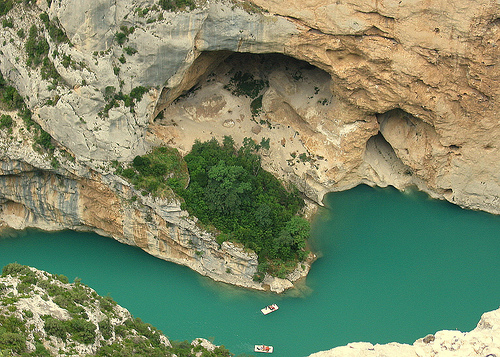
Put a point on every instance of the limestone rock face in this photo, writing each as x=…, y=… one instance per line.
x=382, y=93
x=484, y=340
x=437, y=62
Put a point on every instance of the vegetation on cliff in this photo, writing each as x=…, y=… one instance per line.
x=12, y=100
x=173, y=5
x=41, y=314
x=229, y=190
x=158, y=172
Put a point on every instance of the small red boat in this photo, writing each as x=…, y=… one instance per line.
x=270, y=308
x=263, y=348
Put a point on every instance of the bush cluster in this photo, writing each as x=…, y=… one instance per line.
x=13, y=100
x=78, y=329
x=37, y=47
x=229, y=190
x=5, y=6
x=122, y=36
x=157, y=172
x=172, y=5
x=244, y=84
x=128, y=100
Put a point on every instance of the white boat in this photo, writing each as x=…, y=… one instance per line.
x=269, y=308
x=263, y=348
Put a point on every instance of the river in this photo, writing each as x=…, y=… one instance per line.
x=392, y=266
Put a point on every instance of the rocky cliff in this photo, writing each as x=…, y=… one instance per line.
x=377, y=92
x=483, y=341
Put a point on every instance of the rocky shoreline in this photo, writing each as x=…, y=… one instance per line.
x=483, y=341
x=45, y=315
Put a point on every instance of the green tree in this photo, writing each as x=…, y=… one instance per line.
x=227, y=188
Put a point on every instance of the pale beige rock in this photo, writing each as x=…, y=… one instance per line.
x=483, y=341
x=437, y=62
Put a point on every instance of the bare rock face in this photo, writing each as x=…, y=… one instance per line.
x=437, y=65
x=484, y=340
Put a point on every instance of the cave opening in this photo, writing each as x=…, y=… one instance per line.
x=383, y=158
x=261, y=96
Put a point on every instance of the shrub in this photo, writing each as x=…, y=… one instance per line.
x=45, y=18
x=130, y=50
x=82, y=330
x=256, y=105
x=138, y=92
x=55, y=328
x=158, y=171
x=120, y=38
x=28, y=313
x=7, y=23
x=11, y=97
x=6, y=121
x=14, y=269
x=264, y=143
x=5, y=6
x=106, y=329
x=56, y=33
x=44, y=140
x=36, y=47
x=172, y=5
x=244, y=84
x=48, y=70
x=13, y=341
x=66, y=61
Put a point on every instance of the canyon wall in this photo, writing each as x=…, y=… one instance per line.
x=375, y=92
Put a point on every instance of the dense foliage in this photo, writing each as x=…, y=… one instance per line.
x=5, y=6
x=54, y=29
x=244, y=84
x=11, y=99
x=229, y=190
x=173, y=5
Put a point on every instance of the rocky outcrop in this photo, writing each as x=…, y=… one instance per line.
x=43, y=314
x=483, y=341
x=430, y=74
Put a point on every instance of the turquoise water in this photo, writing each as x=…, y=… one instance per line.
x=392, y=267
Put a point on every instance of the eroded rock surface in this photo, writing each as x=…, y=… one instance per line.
x=483, y=341
x=382, y=93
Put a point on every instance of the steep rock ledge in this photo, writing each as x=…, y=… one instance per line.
x=35, y=194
